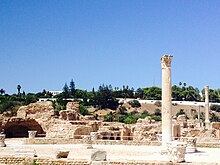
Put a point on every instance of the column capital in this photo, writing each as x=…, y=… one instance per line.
x=206, y=87
x=166, y=61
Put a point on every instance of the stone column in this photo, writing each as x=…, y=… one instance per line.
x=207, y=122
x=94, y=136
x=32, y=134
x=166, y=101
x=2, y=140
x=199, y=115
x=87, y=142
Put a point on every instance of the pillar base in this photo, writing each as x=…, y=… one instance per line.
x=2, y=140
x=176, y=152
x=207, y=124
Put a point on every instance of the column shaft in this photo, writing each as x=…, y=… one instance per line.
x=207, y=122
x=166, y=101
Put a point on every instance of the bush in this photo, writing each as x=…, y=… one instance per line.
x=142, y=116
x=134, y=103
x=158, y=103
x=130, y=120
x=181, y=112
x=157, y=112
x=156, y=118
x=83, y=110
x=123, y=110
x=214, y=118
x=120, y=118
x=215, y=107
x=145, y=112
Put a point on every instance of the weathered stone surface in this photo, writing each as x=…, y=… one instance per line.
x=166, y=100
x=62, y=154
x=98, y=155
x=176, y=129
x=69, y=115
x=215, y=125
x=191, y=143
x=87, y=142
x=176, y=151
x=72, y=106
x=32, y=134
x=146, y=132
x=36, y=110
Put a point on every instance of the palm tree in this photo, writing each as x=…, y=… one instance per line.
x=2, y=91
x=19, y=89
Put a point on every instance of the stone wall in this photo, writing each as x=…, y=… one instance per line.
x=80, y=141
x=41, y=161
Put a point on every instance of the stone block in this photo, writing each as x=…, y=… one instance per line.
x=2, y=140
x=62, y=154
x=176, y=151
x=98, y=155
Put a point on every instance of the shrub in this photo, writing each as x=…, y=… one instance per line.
x=214, y=118
x=157, y=112
x=120, y=118
x=130, y=120
x=156, y=118
x=123, y=110
x=181, y=112
x=134, y=103
x=83, y=110
x=145, y=112
x=142, y=116
x=215, y=107
x=158, y=103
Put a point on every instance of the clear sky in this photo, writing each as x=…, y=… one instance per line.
x=44, y=44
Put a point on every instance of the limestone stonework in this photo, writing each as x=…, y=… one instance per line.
x=207, y=122
x=176, y=151
x=72, y=106
x=87, y=141
x=32, y=134
x=2, y=140
x=166, y=100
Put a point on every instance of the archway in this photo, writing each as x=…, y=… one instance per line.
x=18, y=128
x=16, y=131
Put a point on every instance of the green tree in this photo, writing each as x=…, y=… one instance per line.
x=139, y=93
x=104, y=98
x=66, y=91
x=2, y=91
x=83, y=110
x=72, y=88
x=152, y=93
x=19, y=89
x=134, y=103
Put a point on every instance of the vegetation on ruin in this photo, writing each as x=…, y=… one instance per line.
x=106, y=97
x=126, y=117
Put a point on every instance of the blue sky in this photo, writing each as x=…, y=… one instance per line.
x=44, y=44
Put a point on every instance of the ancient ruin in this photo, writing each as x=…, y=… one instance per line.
x=207, y=122
x=38, y=123
x=166, y=100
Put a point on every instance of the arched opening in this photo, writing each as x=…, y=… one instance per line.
x=19, y=128
x=16, y=131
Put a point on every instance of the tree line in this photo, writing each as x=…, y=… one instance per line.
x=105, y=96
